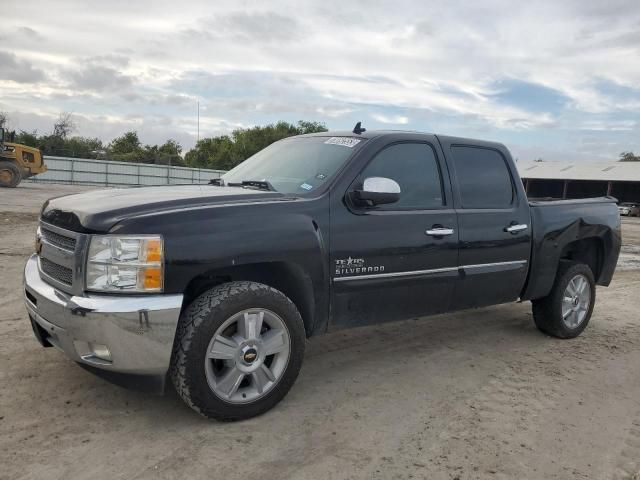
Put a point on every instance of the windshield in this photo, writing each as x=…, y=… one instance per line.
x=295, y=165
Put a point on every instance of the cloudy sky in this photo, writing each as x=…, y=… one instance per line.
x=558, y=80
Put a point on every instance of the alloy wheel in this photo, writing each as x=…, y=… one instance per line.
x=576, y=301
x=247, y=355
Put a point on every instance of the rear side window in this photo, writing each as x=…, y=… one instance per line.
x=483, y=177
x=415, y=167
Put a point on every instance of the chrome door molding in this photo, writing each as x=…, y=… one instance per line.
x=496, y=266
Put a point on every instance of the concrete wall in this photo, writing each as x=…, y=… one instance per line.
x=81, y=171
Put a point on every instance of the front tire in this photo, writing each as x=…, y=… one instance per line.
x=238, y=350
x=10, y=174
x=566, y=311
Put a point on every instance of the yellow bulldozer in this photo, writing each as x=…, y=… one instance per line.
x=18, y=161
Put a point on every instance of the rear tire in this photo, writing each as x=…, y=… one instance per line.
x=566, y=311
x=10, y=174
x=238, y=350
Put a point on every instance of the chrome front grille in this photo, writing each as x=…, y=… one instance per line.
x=57, y=272
x=61, y=261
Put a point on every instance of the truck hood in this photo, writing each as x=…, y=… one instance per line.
x=100, y=210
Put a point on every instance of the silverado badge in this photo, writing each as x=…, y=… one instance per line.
x=350, y=266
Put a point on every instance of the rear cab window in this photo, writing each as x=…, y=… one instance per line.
x=483, y=177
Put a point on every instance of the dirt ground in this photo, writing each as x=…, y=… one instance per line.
x=478, y=394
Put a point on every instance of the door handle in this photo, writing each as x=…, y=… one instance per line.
x=439, y=231
x=516, y=228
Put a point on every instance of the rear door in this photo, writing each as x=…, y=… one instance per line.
x=494, y=223
x=386, y=261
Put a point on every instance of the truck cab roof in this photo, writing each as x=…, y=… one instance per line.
x=404, y=134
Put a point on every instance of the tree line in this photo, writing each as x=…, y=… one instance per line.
x=221, y=152
x=226, y=151
x=629, y=157
x=125, y=148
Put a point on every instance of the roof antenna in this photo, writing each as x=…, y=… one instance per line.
x=358, y=129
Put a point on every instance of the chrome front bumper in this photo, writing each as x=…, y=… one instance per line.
x=138, y=330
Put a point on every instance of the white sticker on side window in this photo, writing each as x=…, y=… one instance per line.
x=344, y=141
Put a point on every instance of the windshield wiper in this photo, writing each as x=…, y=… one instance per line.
x=257, y=184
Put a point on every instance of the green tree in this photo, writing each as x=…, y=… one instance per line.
x=170, y=153
x=226, y=151
x=128, y=148
x=217, y=152
x=76, y=147
x=124, y=144
x=629, y=157
x=166, y=154
x=171, y=147
x=84, y=147
x=311, y=127
x=59, y=142
x=30, y=139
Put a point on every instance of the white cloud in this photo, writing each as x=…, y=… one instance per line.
x=333, y=112
x=391, y=119
x=336, y=62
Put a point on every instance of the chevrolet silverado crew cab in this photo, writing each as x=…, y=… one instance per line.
x=217, y=287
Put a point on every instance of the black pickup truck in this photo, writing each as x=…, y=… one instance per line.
x=217, y=286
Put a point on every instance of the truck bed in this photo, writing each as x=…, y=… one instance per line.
x=556, y=224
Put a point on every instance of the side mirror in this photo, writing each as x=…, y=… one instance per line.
x=377, y=191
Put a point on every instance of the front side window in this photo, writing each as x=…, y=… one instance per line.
x=296, y=165
x=483, y=177
x=415, y=167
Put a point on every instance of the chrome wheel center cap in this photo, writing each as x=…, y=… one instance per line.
x=249, y=354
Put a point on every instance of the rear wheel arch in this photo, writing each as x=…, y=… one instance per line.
x=589, y=251
x=286, y=277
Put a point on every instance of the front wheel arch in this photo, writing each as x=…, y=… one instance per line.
x=286, y=277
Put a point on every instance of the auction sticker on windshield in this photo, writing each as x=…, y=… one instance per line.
x=344, y=141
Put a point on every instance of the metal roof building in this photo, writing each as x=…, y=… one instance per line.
x=579, y=180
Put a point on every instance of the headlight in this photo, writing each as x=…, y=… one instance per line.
x=123, y=263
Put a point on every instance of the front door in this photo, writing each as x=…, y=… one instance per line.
x=398, y=260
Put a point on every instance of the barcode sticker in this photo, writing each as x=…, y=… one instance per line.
x=344, y=141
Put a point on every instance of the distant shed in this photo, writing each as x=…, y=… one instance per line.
x=580, y=180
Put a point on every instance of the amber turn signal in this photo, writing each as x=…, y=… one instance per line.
x=152, y=278
x=153, y=250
